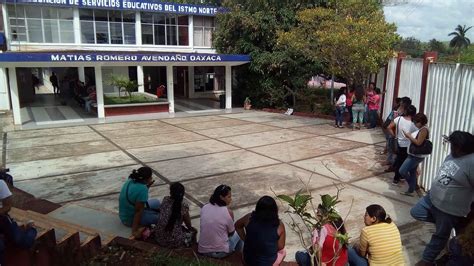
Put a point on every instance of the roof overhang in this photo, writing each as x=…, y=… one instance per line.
x=91, y=59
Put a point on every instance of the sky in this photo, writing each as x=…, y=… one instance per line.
x=428, y=19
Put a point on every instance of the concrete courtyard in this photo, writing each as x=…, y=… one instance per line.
x=84, y=167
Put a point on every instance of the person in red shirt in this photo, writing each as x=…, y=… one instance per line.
x=374, y=106
x=349, y=93
x=332, y=252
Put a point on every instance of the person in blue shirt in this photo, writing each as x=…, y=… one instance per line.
x=135, y=209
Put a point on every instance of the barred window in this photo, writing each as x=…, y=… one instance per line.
x=164, y=29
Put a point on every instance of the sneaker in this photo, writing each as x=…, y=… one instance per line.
x=409, y=194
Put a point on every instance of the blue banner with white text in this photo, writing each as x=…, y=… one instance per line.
x=137, y=5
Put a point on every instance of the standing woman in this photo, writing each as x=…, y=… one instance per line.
x=135, y=209
x=374, y=106
x=349, y=94
x=358, y=107
x=379, y=241
x=218, y=238
x=263, y=234
x=173, y=213
x=409, y=166
x=340, y=103
x=397, y=128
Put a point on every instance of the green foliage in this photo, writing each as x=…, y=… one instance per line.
x=135, y=98
x=162, y=259
x=412, y=46
x=460, y=40
x=351, y=38
x=435, y=45
x=275, y=72
x=123, y=83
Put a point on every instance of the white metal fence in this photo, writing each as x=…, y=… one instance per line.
x=449, y=102
x=449, y=107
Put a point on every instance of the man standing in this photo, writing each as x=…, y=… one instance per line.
x=54, y=82
x=451, y=195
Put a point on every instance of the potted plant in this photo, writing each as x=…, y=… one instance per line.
x=247, y=104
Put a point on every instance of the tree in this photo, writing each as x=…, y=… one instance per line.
x=124, y=84
x=251, y=28
x=410, y=45
x=435, y=45
x=459, y=41
x=351, y=38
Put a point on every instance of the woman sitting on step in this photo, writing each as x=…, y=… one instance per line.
x=174, y=211
x=135, y=209
x=218, y=238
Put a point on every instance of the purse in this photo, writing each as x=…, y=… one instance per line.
x=424, y=148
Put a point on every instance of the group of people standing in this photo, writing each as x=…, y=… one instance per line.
x=362, y=105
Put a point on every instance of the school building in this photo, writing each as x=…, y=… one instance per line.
x=164, y=47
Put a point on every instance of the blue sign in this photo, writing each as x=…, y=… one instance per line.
x=137, y=5
x=114, y=57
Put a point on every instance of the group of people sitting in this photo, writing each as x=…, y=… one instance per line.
x=84, y=95
x=362, y=105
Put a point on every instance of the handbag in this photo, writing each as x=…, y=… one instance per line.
x=424, y=148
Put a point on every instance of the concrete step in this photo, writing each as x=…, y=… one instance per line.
x=105, y=223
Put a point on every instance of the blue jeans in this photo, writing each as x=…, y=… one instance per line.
x=339, y=115
x=355, y=259
x=373, y=117
x=150, y=215
x=390, y=139
x=425, y=211
x=408, y=171
x=235, y=244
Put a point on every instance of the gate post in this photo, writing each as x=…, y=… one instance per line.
x=428, y=58
x=400, y=57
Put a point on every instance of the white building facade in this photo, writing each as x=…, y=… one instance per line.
x=155, y=43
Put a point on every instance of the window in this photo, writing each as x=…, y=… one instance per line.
x=41, y=25
x=164, y=29
x=203, y=28
x=107, y=27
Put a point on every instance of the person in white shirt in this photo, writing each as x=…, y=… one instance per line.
x=340, y=103
x=397, y=129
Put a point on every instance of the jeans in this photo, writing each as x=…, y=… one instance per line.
x=373, y=117
x=357, y=113
x=235, y=244
x=339, y=115
x=425, y=211
x=303, y=258
x=355, y=259
x=401, y=156
x=390, y=155
x=408, y=171
x=150, y=215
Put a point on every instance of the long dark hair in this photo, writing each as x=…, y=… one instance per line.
x=141, y=175
x=222, y=190
x=266, y=211
x=359, y=93
x=177, y=195
x=379, y=213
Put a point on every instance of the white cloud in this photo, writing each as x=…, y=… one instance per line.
x=428, y=19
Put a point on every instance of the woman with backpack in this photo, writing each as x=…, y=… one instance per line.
x=409, y=166
x=135, y=209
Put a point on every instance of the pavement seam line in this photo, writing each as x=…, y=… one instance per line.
x=160, y=176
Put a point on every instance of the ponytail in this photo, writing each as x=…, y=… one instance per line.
x=379, y=213
x=141, y=175
x=177, y=195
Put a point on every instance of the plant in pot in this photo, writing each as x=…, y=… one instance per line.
x=247, y=103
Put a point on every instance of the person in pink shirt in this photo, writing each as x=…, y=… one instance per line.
x=374, y=106
x=218, y=238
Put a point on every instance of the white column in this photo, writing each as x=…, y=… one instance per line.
x=170, y=88
x=99, y=89
x=140, y=79
x=190, y=82
x=82, y=74
x=76, y=24
x=228, y=87
x=191, y=31
x=6, y=25
x=15, y=96
x=4, y=95
x=138, y=28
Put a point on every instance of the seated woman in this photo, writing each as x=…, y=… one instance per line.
x=135, y=209
x=379, y=240
x=263, y=234
x=217, y=235
x=174, y=212
x=332, y=253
